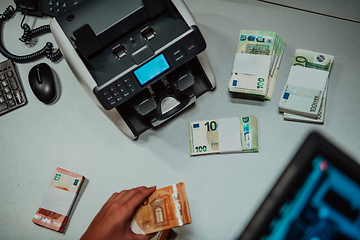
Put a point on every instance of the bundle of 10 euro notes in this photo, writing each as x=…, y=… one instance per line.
x=224, y=135
x=256, y=65
x=166, y=208
x=305, y=92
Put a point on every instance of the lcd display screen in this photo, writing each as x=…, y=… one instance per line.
x=152, y=69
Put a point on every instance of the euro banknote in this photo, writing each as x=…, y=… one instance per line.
x=224, y=135
x=275, y=69
x=320, y=119
x=304, y=89
x=257, y=58
x=167, y=234
x=59, y=199
x=166, y=208
x=248, y=84
x=313, y=60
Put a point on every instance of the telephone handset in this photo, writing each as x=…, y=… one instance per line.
x=40, y=8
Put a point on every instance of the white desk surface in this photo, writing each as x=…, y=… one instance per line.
x=224, y=190
x=346, y=9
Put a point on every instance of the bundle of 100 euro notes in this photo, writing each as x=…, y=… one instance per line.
x=56, y=206
x=224, y=135
x=256, y=65
x=166, y=208
x=305, y=93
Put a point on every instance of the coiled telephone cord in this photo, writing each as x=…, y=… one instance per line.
x=47, y=51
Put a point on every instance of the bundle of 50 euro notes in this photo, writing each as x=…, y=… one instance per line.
x=166, y=208
x=256, y=65
x=224, y=135
x=305, y=92
x=56, y=206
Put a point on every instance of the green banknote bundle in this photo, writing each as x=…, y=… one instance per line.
x=256, y=65
x=224, y=135
x=305, y=93
x=320, y=119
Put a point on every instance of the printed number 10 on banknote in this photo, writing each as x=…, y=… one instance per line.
x=238, y=134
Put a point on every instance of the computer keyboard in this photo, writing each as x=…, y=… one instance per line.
x=12, y=95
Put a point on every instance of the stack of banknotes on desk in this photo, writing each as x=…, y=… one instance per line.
x=55, y=208
x=256, y=65
x=166, y=208
x=305, y=93
x=224, y=135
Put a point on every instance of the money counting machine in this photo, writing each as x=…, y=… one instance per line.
x=141, y=61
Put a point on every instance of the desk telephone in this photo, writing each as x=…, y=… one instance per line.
x=40, y=8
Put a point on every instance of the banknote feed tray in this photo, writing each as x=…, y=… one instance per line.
x=141, y=62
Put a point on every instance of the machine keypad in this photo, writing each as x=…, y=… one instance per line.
x=121, y=90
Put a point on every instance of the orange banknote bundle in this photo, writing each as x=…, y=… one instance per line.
x=166, y=208
x=56, y=206
x=168, y=234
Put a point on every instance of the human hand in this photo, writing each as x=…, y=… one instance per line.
x=113, y=219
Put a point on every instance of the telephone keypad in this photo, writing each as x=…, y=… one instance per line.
x=55, y=7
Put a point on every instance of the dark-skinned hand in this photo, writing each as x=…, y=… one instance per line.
x=113, y=219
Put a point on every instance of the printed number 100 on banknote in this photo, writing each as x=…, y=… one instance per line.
x=238, y=134
x=205, y=137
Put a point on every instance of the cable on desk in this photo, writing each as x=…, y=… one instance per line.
x=46, y=51
x=30, y=34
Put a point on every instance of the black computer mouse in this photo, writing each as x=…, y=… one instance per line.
x=43, y=83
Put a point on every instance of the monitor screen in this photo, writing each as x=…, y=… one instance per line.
x=317, y=197
x=325, y=206
x=152, y=69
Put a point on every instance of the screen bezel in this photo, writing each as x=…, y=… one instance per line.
x=292, y=177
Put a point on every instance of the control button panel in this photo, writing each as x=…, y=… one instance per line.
x=190, y=46
x=178, y=54
x=118, y=92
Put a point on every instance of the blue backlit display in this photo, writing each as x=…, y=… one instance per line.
x=326, y=206
x=152, y=69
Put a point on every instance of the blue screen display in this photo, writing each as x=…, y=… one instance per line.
x=326, y=206
x=152, y=69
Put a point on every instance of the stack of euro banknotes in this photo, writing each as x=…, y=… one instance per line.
x=224, y=135
x=305, y=92
x=55, y=208
x=166, y=208
x=256, y=65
